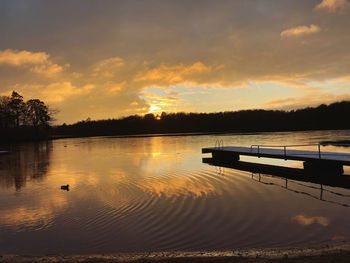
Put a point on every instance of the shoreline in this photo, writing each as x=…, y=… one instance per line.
x=170, y=134
x=338, y=253
x=54, y=137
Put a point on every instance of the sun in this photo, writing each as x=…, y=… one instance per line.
x=154, y=108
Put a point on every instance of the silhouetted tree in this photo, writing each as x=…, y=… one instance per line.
x=21, y=120
x=37, y=113
x=17, y=107
x=149, y=117
x=5, y=112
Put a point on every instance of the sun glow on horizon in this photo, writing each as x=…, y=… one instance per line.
x=154, y=109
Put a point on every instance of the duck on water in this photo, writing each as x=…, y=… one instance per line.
x=65, y=187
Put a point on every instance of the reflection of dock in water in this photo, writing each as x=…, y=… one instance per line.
x=289, y=177
x=330, y=163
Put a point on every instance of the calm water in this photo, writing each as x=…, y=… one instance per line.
x=151, y=194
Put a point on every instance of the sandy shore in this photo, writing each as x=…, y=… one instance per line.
x=336, y=254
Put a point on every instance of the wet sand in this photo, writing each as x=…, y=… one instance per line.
x=338, y=254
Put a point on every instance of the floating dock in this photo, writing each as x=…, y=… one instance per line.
x=314, y=161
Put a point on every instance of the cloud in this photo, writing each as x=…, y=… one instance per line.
x=20, y=58
x=48, y=69
x=114, y=88
x=333, y=6
x=55, y=92
x=172, y=74
x=108, y=67
x=299, y=31
x=309, y=220
x=171, y=92
x=157, y=98
x=160, y=103
x=38, y=62
x=311, y=99
x=59, y=91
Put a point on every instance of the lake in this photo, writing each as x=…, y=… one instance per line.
x=145, y=194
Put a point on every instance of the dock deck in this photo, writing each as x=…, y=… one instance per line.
x=289, y=154
x=313, y=160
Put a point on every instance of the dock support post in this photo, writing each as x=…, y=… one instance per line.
x=323, y=167
x=319, y=151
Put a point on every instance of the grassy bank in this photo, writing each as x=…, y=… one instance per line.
x=336, y=257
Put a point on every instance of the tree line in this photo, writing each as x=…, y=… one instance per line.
x=333, y=116
x=21, y=119
x=30, y=120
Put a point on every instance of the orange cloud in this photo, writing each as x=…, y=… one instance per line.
x=171, y=92
x=20, y=58
x=59, y=91
x=333, y=6
x=172, y=74
x=309, y=220
x=108, y=67
x=38, y=62
x=160, y=103
x=114, y=88
x=310, y=99
x=48, y=69
x=159, y=98
x=299, y=31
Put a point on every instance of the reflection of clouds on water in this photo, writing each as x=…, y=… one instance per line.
x=113, y=188
x=117, y=189
x=153, y=163
x=170, y=186
x=39, y=214
x=309, y=220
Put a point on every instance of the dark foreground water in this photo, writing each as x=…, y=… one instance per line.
x=151, y=194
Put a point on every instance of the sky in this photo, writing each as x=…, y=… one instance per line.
x=109, y=59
